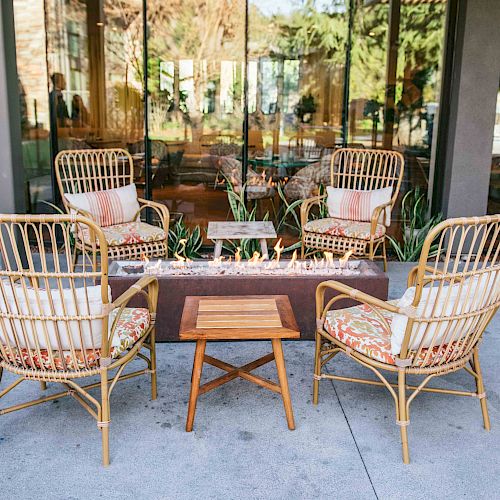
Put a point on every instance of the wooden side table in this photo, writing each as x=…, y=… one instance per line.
x=246, y=317
x=231, y=230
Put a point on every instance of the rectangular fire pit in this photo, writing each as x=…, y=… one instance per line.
x=299, y=281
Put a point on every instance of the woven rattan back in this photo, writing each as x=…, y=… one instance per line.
x=89, y=170
x=367, y=169
x=457, y=291
x=52, y=318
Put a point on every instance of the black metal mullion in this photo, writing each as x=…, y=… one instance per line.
x=245, y=106
x=347, y=75
x=147, y=146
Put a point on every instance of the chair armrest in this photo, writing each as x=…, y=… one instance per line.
x=78, y=211
x=306, y=206
x=377, y=212
x=159, y=208
x=146, y=286
x=347, y=292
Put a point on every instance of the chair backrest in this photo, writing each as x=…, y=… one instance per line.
x=89, y=170
x=305, y=146
x=52, y=317
x=457, y=291
x=367, y=169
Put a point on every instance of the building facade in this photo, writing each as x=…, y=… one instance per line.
x=179, y=83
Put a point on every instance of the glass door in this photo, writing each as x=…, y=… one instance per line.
x=196, y=70
x=296, y=59
x=96, y=80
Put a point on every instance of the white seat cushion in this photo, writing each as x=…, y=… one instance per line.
x=131, y=326
x=18, y=300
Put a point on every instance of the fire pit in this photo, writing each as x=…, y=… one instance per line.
x=296, y=278
x=254, y=266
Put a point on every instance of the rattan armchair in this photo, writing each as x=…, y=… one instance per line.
x=359, y=169
x=59, y=325
x=93, y=170
x=434, y=329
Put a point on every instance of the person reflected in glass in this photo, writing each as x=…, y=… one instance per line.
x=57, y=100
x=79, y=113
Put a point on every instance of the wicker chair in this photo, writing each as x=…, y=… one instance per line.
x=434, y=329
x=360, y=169
x=60, y=326
x=86, y=171
x=305, y=147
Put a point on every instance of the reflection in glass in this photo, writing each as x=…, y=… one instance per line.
x=494, y=198
x=95, y=60
x=296, y=58
x=196, y=69
x=34, y=103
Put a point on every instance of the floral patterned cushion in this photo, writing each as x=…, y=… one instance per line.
x=130, y=233
x=362, y=330
x=343, y=227
x=130, y=327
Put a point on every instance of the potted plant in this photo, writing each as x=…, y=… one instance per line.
x=305, y=108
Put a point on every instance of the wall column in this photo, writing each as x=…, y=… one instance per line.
x=467, y=115
x=12, y=196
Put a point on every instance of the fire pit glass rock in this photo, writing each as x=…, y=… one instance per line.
x=237, y=267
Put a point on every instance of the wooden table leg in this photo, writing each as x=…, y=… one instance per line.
x=263, y=247
x=218, y=249
x=195, y=382
x=285, y=392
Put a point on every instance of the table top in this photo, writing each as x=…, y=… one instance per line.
x=241, y=317
x=237, y=230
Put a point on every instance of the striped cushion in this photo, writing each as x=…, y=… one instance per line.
x=109, y=207
x=353, y=204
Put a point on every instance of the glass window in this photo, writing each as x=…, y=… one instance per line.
x=196, y=125
x=494, y=195
x=96, y=81
x=35, y=119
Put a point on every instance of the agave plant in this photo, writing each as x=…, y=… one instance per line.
x=183, y=241
x=291, y=216
x=415, y=227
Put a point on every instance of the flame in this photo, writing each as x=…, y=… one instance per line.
x=328, y=258
x=255, y=258
x=278, y=249
x=237, y=255
x=343, y=260
x=179, y=257
x=291, y=264
x=144, y=258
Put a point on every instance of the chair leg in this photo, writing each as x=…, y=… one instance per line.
x=317, y=368
x=152, y=341
x=1, y=373
x=43, y=385
x=403, y=416
x=104, y=424
x=302, y=250
x=384, y=255
x=481, y=390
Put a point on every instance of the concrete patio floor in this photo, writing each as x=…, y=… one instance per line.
x=346, y=447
